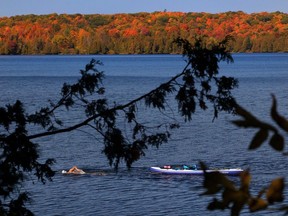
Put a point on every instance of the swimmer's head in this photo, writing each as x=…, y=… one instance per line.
x=64, y=171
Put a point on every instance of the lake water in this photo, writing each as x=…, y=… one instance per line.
x=36, y=79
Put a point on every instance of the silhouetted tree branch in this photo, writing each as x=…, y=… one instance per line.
x=197, y=86
x=237, y=198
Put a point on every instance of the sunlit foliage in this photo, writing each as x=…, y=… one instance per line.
x=140, y=33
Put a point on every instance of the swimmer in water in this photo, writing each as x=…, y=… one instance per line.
x=77, y=171
x=74, y=170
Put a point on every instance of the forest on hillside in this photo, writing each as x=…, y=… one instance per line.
x=140, y=33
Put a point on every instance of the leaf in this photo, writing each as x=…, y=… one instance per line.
x=245, y=114
x=275, y=191
x=277, y=142
x=216, y=204
x=249, y=119
x=257, y=204
x=241, y=123
x=238, y=197
x=245, y=178
x=235, y=196
x=215, y=181
x=258, y=139
x=280, y=120
x=236, y=208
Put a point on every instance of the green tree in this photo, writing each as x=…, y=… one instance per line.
x=197, y=86
x=247, y=44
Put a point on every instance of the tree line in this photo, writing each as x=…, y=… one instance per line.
x=140, y=33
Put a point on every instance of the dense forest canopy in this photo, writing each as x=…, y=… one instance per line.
x=140, y=33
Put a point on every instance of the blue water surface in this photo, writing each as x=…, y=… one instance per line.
x=37, y=79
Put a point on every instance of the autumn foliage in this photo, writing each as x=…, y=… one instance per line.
x=140, y=33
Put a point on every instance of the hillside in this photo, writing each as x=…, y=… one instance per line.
x=140, y=33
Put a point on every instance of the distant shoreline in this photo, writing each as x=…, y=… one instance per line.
x=123, y=54
x=140, y=33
